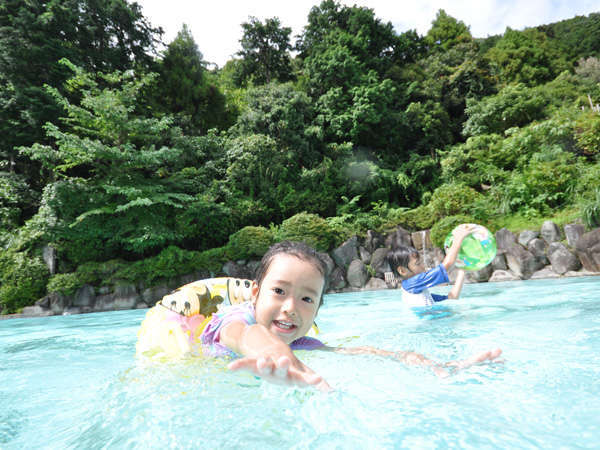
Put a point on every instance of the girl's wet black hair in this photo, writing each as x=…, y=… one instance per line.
x=298, y=249
x=399, y=257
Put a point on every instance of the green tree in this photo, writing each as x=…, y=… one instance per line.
x=34, y=35
x=525, y=57
x=114, y=195
x=446, y=32
x=184, y=88
x=265, y=52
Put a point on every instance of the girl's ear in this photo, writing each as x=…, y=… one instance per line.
x=403, y=271
x=254, y=292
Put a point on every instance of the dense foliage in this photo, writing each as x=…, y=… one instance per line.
x=141, y=166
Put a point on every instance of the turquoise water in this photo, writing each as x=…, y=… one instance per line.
x=72, y=381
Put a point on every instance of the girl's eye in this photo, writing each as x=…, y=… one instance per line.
x=308, y=300
x=278, y=291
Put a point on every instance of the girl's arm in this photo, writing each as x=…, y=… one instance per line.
x=458, y=284
x=460, y=233
x=267, y=356
x=416, y=359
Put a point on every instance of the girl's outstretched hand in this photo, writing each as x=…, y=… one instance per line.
x=489, y=355
x=280, y=371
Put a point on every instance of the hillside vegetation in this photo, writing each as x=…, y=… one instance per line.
x=138, y=163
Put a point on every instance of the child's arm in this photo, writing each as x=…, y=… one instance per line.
x=416, y=359
x=458, y=284
x=460, y=233
x=267, y=356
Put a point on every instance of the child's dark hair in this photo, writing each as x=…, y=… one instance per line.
x=400, y=257
x=298, y=249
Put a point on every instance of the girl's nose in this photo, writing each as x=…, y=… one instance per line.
x=289, y=306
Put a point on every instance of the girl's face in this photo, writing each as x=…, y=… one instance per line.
x=288, y=299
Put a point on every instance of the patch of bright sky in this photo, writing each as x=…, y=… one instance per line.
x=216, y=24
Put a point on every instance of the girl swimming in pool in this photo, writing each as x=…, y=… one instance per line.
x=286, y=297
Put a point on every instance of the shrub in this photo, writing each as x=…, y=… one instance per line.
x=65, y=283
x=309, y=228
x=452, y=199
x=441, y=229
x=22, y=280
x=420, y=218
x=169, y=263
x=590, y=211
x=249, y=241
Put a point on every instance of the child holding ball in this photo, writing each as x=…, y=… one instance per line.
x=407, y=266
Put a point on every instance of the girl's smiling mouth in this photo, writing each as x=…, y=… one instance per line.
x=284, y=326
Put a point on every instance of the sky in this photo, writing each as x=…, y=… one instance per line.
x=216, y=24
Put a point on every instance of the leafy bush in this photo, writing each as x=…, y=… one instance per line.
x=587, y=133
x=590, y=211
x=441, y=229
x=420, y=218
x=248, y=242
x=309, y=228
x=452, y=199
x=65, y=283
x=169, y=263
x=22, y=280
x=547, y=182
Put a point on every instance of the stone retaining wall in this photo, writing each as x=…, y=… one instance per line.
x=359, y=264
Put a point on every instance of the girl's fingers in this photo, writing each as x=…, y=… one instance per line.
x=282, y=367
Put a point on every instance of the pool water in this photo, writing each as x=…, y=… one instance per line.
x=73, y=382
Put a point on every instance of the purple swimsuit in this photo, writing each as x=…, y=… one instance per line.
x=244, y=312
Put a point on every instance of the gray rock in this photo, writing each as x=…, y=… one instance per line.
x=378, y=262
x=357, y=274
x=522, y=262
x=141, y=305
x=72, y=310
x=85, y=296
x=44, y=302
x=499, y=262
x=526, y=236
x=346, y=253
x=104, y=303
x=421, y=240
x=337, y=279
x=365, y=256
x=374, y=284
x=397, y=238
x=153, y=294
x=58, y=302
x=539, y=249
x=103, y=290
x=478, y=276
x=329, y=262
x=504, y=239
x=373, y=241
x=438, y=256
x=562, y=259
x=588, y=250
x=235, y=270
x=573, y=231
x=36, y=311
x=503, y=275
x=546, y=272
x=550, y=232
x=125, y=296
x=580, y=273
x=252, y=266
